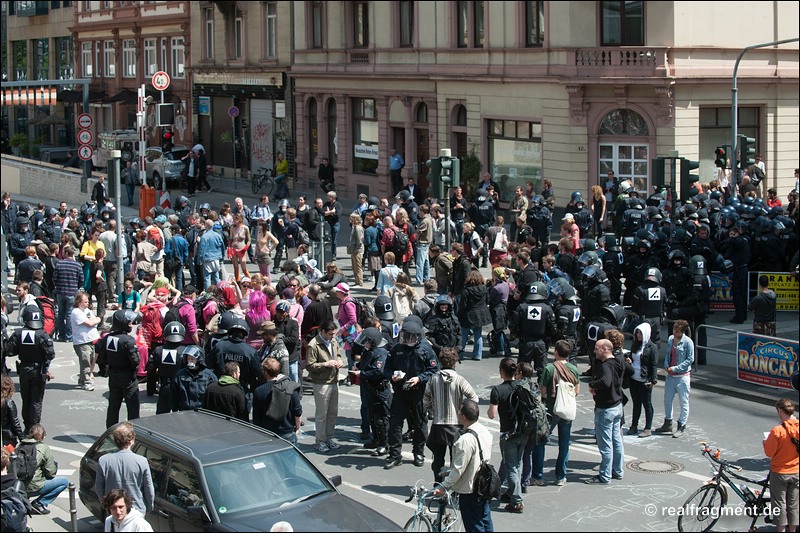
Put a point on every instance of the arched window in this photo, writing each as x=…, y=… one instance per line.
x=623, y=122
x=461, y=116
x=313, y=134
x=422, y=114
x=629, y=158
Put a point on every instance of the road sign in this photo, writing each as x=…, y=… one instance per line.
x=85, y=121
x=127, y=155
x=85, y=152
x=84, y=137
x=233, y=111
x=160, y=80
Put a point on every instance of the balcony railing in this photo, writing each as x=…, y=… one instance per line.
x=616, y=57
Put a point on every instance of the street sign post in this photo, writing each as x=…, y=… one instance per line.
x=85, y=121
x=85, y=152
x=161, y=80
x=85, y=137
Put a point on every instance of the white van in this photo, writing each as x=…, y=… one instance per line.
x=115, y=140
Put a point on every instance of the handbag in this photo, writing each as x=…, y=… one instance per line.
x=501, y=241
x=565, y=406
x=487, y=482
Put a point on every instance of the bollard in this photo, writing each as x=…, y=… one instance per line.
x=73, y=508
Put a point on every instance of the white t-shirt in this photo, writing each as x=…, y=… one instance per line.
x=81, y=333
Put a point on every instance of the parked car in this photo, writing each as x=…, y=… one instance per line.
x=215, y=473
x=169, y=165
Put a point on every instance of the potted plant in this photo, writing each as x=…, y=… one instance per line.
x=17, y=142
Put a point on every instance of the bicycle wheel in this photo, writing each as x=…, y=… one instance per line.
x=702, y=510
x=269, y=185
x=255, y=183
x=418, y=523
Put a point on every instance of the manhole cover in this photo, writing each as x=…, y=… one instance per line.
x=655, y=467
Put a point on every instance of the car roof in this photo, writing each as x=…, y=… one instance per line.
x=208, y=436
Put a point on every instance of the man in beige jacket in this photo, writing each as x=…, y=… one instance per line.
x=474, y=509
x=323, y=361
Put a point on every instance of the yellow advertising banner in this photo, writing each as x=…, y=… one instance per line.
x=786, y=287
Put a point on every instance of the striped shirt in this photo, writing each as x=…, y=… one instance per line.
x=68, y=277
x=444, y=393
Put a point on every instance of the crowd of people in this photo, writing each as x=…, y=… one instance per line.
x=240, y=341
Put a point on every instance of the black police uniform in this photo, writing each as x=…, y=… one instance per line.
x=636, y=264
x=613, y=262
x=678, y=284
x=118, y=350
x=443, y=331
x=535, y=325
x=694, y=309
x=35, y=350
x=377, y=392
x=166, y=360
x=568, y=318
x=648, y=302
x=390, y=329
x=594, y=331
x=482, y=214
x=235, y=349
x=540, y=219
x=416, y=361
x=738, y=251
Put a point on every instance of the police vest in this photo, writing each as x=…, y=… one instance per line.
x=651, y=299
x=485, y=210
x=596, y=331
x=633, y=221
x=533, y=326
x=29, y=343
x=570, y=316
x=168, y=360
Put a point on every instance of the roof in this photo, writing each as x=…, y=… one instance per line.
x=209, y=437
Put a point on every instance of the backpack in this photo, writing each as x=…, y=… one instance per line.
x=174, y=313
x=583, y=219
x=152, y=324
x=48, y=308
x=155, y=238
x=302, y=236
x=16, y=510
x=400, y=246
x=26, y=461
x=528, y=411
x=363, y=310
x=487, y=482
x=200, y=304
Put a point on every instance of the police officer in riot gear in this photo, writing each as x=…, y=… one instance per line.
x=677, y=280
x=409, y=367
x=224, y=321
x=482, y=214
x=635, y=266
x=567, y=308
x=540, y=219
x=183, y=210
x=695, y=306
x=390, y=329
x=118, y=351
x=613, y=262
x=648, y=302
x=51, y=228
x=534, y=323
x=234, y=348
x=165, y=361
x=611, y=316
x=34, y=347
x=377, y=389
x=443, y=327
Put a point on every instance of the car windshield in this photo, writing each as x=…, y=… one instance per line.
x=264, y=482
x=176, y=155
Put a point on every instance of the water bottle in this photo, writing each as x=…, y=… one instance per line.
x=748, y=494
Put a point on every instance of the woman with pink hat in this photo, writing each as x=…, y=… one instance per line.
x=349, y=328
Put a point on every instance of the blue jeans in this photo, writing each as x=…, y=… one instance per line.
x=50, y=490
x=179, y=278
x=64, y=322
x=512, y=450
x=423, y=263
x=130, y=187
x=294, y=374
x=282, y=190
x=210, y=278
x=477, y=344
x=679, y=384
x=533, y=466
x=334, y=233
x=609, y=441
x=475, y=513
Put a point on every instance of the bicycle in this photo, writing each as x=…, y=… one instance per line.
x=263, y=179
x=704, y=507
x=445, y=518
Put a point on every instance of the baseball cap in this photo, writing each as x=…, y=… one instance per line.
x=568, y=216
x=343, y=287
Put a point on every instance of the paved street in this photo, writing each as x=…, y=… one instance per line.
x=721, y=409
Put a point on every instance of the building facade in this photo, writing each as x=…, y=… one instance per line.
x=559, y=90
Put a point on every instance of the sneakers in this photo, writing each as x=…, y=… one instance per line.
x=665, y=428
x=678, y=432
x=322, y=447
x=645, y=433
x=537, y=482
x=87, y=386
x=392, y=462
x=333, y=445
x=595, y=480
x=379, y=451
x=561, y=482
x=38, y=508
x=616, y=476
x=514, y=508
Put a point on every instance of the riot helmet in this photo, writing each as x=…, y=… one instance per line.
x=371, y=336
x=384, y=309
x=32, y=317
x=174, y=332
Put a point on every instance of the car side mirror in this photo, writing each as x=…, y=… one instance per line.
x=199, y=513
x=336, y=480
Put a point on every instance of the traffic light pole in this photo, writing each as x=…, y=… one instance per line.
x=735, y=105
x=447, y=235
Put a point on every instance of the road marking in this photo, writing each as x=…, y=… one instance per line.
x=692, y=475
x=65, y=472
x=67, y=450
x=382, y=496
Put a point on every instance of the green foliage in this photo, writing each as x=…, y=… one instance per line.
x=470, y=173
x=18, y=139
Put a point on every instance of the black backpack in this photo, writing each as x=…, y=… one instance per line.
x=16, y=510
x=583, y=219
x=26, y=461
x=528, y=411
x=173, y=314
x=363, y=310
x=400, y=244
x=487, y=482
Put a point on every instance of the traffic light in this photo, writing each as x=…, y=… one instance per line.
x=747, y=151
x=658, y=178
x=688, y=181
x=447, y=175
x=721, y=159
x=434, y=177
x=166, y=141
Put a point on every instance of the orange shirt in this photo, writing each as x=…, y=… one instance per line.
x=781, y=450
